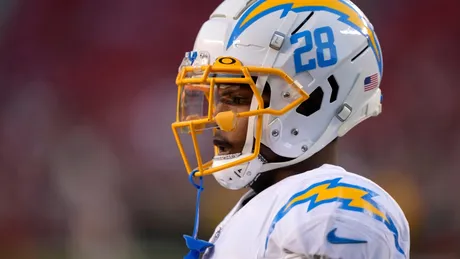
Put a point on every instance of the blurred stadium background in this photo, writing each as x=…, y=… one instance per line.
x=88, y=165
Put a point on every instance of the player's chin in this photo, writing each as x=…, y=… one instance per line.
x=223, y=147
x=223, y=151
x=229, y=151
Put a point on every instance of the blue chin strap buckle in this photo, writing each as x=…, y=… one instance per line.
x=195, y=245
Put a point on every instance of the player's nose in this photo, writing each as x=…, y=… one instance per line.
x=218, y=108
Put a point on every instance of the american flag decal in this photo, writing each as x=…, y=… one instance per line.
x=371, y=82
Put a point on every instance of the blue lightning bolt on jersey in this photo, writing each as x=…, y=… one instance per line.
x=325, y=212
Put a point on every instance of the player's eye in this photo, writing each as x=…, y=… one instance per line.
x=234, y=95
x=235, y=100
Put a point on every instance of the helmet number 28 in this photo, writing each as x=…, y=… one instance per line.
x=326, y=51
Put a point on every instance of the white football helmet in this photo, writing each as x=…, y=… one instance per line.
x=320, y=54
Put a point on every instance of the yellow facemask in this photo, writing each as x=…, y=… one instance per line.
x=196, y=105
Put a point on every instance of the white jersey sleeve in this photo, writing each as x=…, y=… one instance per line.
x=339, y=216
x=329, y=237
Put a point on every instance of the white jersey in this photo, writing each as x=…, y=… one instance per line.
x=324, y=213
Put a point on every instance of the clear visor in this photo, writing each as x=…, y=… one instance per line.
x=198, y=101
x=195, y=105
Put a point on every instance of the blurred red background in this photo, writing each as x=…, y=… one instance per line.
x=89, y=167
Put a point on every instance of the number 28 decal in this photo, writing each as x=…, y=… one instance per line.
x=323, y=38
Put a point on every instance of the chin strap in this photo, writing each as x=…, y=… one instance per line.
x=195, y=245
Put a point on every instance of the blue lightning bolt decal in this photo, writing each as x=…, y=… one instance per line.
x=346, y=11
x=351, y=198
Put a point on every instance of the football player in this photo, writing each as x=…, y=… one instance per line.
x=278, y=82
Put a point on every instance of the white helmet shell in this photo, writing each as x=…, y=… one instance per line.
x=328, y=47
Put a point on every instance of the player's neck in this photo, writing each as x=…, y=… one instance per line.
x=328, y=155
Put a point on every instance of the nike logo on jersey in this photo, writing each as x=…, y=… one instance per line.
x=334, y=239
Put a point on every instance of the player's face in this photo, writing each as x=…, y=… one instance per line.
x=236, y=98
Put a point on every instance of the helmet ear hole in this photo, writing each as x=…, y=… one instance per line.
x=312, y=104
x=335, y=88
